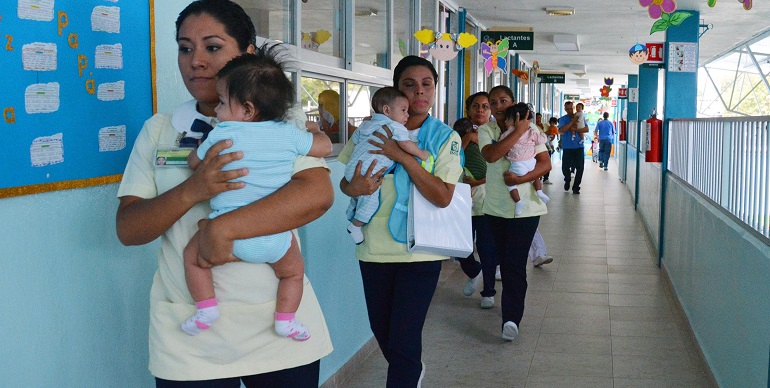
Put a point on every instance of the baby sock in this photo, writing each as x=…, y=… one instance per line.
x=207, y=312
x=519, y=208
x=542, y=196
x=287, y=326
x=356, y=233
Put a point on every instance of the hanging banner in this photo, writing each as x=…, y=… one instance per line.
x=522, y=39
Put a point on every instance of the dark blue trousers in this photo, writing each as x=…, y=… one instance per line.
x=605, y=147
x=485, y=246
x=397, y=299
x=305, y=376
x=513, y=237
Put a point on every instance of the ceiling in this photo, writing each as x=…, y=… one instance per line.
x=607, y=29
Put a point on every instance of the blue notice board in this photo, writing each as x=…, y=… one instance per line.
x=75, y=90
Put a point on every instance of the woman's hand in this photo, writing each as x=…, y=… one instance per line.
x=214, y=249
x=363, y=184
x=208, y=179
x=390, y=147
x=512, y=179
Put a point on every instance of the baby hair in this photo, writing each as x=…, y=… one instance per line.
x=258, y=78
x=553, y=120
x=463, y=126
x=580, y=104
x=385, y=96
x=523, y=111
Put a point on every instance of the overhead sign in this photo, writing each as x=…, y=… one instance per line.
x=551, y=78
x=518, y=39
x=572, y=97
x=623, y=93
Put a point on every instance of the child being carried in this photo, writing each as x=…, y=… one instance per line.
x=522, y=154
x=391, y=109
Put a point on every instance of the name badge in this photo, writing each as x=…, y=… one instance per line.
x=172, y=156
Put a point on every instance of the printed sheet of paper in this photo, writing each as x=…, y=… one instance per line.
x=112, y=138
x=47, y=150
x=42, y=98
x=40, y=10
x=105, y=19
x=109, y=56
x=39, y=56
x=111, y=91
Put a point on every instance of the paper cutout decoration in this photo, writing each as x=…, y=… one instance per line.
x=746, y=3
x=521, y=74
x=609, y=81
x=535, y=67
x=311, y=40
x=444, y=46
x=605, y=90
x=668, y=20
x=638, y=54
x=656, y=8
x=495, y=56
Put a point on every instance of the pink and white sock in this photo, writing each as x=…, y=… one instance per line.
x=207, y=312
x=287, y=326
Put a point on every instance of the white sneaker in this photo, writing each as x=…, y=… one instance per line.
x=497, y=274
x=540, y=260
x=422, y=375
x=356, y=233
x=510, y=331
x=470, y=285
x=487, y=302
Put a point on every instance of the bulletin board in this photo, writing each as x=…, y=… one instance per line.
x=75, y=90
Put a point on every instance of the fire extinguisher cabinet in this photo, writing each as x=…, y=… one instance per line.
x=654, y=138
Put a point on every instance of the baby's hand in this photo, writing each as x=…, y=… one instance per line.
x=312, y=126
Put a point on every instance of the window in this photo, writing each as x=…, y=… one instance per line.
x=359, y=104
x=320, y=101
x=371, y=32
x=271, y=18
x=322, y=26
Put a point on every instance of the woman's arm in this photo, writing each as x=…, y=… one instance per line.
x=307, y=196
x=362, y=184
x=432, y=188
x=495, y=151
x=140, y=221
x=474, y=182
x=542, y=166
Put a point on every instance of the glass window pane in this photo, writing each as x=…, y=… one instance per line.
x=402, y=20
x=321, y=28
x=271, y=18
x=371, y=32
x=359, y=104
x=321, y=103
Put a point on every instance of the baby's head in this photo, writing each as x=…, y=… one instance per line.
x=463, y=126
x=521, y=109
x=253, y=87
x=579, y=107
x=392, y=103
x=553, y=121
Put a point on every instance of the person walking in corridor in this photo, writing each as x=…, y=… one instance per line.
x=572, y=147
x=606, y=132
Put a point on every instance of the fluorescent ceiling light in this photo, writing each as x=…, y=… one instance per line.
x=560, y=11
x=566, y=42
x=582, y=82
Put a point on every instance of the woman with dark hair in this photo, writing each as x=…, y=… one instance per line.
x=478, y=113
x=168, y=202
x=398, y=284
x=512, y=233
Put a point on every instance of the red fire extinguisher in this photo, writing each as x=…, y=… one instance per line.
x=622, y=136
x=654, y=138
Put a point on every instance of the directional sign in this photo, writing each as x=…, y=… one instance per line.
x=551, y=78
x=518, y=40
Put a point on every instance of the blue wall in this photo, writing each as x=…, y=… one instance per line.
x=75, y=301
x=721, y=274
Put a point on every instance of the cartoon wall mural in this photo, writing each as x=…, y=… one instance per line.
x=311, y=40
x=443, y=46
x=495, y=56
x=638, y=54
x=746, y=4
x=522, y=75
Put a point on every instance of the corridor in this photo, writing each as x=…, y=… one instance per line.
x=601, y=315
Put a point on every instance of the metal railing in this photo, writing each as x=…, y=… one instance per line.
x=728, y=161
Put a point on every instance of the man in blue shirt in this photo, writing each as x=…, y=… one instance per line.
x=572, y=147
x=606, y=132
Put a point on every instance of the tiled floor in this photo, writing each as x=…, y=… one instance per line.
x=600, y=315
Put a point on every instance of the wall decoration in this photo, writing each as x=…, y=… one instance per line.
x=746, y=3
x=535, y=67
x=495, y=56
x=638, y=53
x=312, y=40
x=609, y=81
x=444, y=46
x=656, y=8
x=605, y=91
x=521, y=75
x=667, y=20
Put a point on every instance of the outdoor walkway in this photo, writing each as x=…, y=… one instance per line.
x=600, y=315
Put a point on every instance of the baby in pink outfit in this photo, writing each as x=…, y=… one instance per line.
x=522, y=155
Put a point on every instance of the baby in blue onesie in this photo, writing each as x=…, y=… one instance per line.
x=391, y=109
x=254, y=96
